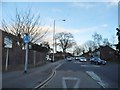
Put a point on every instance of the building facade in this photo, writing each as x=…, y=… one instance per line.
x=106, y=52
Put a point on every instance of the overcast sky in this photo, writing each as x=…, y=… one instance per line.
x=83, y=19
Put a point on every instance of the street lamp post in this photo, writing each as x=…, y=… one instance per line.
x=54, y=38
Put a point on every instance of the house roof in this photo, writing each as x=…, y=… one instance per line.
x=102, y=47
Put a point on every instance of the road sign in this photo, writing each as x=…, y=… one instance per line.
x=8, y=42
x=26, y=39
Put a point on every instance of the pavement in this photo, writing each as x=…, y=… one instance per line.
x=31, y=79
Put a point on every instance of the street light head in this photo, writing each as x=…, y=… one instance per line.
x=64, y=20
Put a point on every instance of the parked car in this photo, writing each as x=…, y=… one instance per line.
x=97, y=60
x=77, y=58
x=82, y=59
x=69, y=58
x=92, y=59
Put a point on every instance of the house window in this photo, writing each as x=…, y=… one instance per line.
x=7, y=42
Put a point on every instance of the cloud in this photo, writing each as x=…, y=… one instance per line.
x=104, y=25
x=85, y=5
x=77, y=31
x=112, y=2
x=91, y=4
x=81, y=35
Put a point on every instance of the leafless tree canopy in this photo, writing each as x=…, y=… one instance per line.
x=65, y=40
x=97, y=38
x=77, y=50
x=89, y=45
x=106, y=42
x=25, y=22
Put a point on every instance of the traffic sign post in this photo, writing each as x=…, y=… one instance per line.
x=26, y=58
x=8, y=45
x=26, y=40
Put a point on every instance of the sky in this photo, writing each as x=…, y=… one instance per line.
x=83, y=19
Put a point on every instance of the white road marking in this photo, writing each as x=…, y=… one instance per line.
x=58, y=66
x=97, y=78
x=95, y=66
x=84, y=65
x=77, y=62
x=93, y=75
x=89, y=66
x=104, y=85
x=70, y=78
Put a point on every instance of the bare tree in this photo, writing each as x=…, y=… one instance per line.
x=45, y=44
x=97, y=38
x=106, y=42
x=25, y=22
x=65, y=40
x=77, y=50
x=112, y=39
x=89, y=45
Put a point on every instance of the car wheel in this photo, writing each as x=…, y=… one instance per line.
x=96, y=63
x=91, y=62
x=104, y=63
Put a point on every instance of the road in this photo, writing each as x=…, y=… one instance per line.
x=75, y=74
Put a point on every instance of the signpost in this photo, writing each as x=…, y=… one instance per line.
x=26, y=40
x=8, y=45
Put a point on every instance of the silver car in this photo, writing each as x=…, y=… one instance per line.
x=69, y=58
x=82, y=59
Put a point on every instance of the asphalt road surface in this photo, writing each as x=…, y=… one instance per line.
x=75, y=74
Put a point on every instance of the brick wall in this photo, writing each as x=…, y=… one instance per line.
x=16, y=56
x=108, y=54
